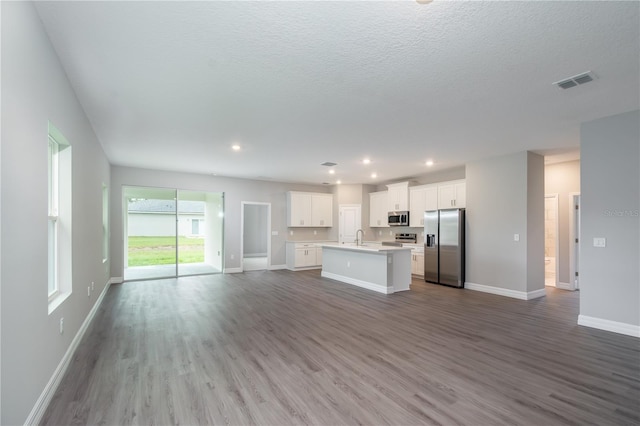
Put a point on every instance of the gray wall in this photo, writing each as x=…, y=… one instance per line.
x=563, y=179
x=235, y=191
x=34, y=90
x=505, y=197
x=610, y=161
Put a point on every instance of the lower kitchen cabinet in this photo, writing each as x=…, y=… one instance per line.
x=302, y=256
x=417, y=263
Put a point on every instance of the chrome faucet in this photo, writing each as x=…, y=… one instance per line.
x=358, y=243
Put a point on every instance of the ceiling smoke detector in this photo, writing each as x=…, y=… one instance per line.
x=583, y=78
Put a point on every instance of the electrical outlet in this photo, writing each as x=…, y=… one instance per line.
x=380, y=233
x=348, y=264
x=315, y=232
x=93, y=285
x=290, y=232
x=390, y=232
x=600, y=242
x=233, y=256
x=61, y=325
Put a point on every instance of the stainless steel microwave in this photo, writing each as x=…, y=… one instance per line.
x=400, y=218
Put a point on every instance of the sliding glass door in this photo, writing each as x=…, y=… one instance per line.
x=170, y=233
x=150, y=233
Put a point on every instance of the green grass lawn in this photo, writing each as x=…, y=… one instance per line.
x=144, y=251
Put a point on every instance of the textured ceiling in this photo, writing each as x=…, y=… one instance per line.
x=171, y=85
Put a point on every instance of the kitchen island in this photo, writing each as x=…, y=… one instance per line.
x=384, y=269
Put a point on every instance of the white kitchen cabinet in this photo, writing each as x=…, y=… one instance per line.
x=302, y=256
x=309, y=209
x=378, y=213
x=421, y=199
x=417, y=263
x=398, y=197
x=321, y=210
x=452, y=195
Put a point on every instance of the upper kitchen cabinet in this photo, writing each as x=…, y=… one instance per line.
x=321, y=210
x=378, y=209
x=421, y=199
x=452, y=195
x=309, y=209
x=398, y=197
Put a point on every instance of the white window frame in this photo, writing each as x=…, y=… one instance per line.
x=105, y=223
x=53, y=287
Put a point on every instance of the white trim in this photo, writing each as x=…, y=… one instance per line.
x=359, y=283
x=232, y=270
x=38, y=410
x=116, y=280
x=565, y=286
x=608, y=325
x=304, y=268
x=277, y=267
x=506, y=292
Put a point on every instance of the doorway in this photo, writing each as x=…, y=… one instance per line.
x=551, y=272
x=170, y=233
x=349, y=221
x=256, y=236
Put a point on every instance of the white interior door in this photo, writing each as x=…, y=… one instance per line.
x=575, y=240
x=350, y=221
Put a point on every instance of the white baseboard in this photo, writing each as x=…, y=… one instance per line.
x=522, y=295
x=116, y=280
x=359, y=283
x=38, y=410
x=564, y=286
x=232, y=270
x=277, y=267
x=608, y=325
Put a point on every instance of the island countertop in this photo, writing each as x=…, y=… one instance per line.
x=364, y=247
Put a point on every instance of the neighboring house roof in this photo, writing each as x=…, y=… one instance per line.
x=166, y=206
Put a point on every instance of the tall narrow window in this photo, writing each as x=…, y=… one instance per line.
x=105, y=223
x=54, y=181
x=60, y=225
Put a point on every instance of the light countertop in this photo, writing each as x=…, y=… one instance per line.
x=365, y=247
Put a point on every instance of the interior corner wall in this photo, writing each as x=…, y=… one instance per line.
x=235, y=192
x=610, y=179
x=563, y=179
x=497, y=208
x=35, y=90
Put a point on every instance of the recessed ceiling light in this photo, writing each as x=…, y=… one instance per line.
x=338, y=182
x=429, y=163
x=374, y=175
x=331, y=172
x=366, y=161
x=235, y=147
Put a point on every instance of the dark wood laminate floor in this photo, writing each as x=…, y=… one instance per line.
x=278, y=348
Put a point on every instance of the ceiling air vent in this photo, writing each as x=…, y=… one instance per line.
x=583, y=78
x=328, y=164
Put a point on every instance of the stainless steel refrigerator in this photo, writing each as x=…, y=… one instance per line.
x=444, y=247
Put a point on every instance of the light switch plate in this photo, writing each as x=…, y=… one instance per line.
x=516, y=237
x=599, y=242
x=274, y=233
